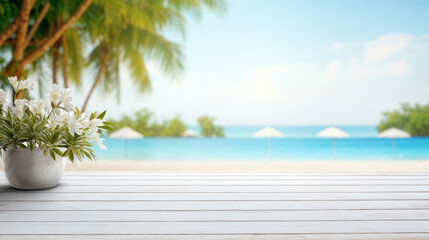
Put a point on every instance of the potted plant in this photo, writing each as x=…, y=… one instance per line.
x=38, y=136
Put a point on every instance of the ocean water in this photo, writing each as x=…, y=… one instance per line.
x=300, y=144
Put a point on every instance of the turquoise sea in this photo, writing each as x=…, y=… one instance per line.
x=299, y=144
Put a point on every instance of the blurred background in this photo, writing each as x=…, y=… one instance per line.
x=233, y=80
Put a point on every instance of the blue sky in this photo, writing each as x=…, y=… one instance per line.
x=293, y=63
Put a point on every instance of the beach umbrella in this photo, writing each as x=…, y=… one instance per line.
x=126, y=133
x=189, y=133
x=268, y=133
x=332, y=133
x=393, y=133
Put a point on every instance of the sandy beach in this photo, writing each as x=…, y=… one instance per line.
x=316, y=166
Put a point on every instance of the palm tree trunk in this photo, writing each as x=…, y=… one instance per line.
x=54, y=36
x=65, y=62
x=19, y=47
x=37, y=23
x=98, y=79
x=55, y=54
x=16, y=66
x=8, y=31
x=18, y=51
x=20, y=20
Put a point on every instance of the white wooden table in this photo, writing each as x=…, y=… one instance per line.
x=214, y=205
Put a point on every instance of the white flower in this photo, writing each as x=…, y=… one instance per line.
x=3, y=98
x=54, y=121
x=95, y=137
x=20, y=85
x=73, y=124
x=84, y=117
x=68, y=117
x=94, y=124
x=18, y=109
x=39, y=106
x=101, y=145
x=14, y=82
x=66, y=99
x=4, y=101
x=83, y=120
x=55, y=94
x=52, y=124
x=57, y=111
x=29, y=84
x=75, y=127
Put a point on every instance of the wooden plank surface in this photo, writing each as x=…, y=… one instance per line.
x=53, y=197
x=214, y=228
x=79, y=177
x=246, y=173
x=213, y=205
x=220, y=182
x=220, y=205
x=214, y=216
x=356, y=236
x=230, y=189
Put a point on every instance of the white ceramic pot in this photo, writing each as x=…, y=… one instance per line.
x=26, y=169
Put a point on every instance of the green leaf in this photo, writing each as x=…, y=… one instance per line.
x=77, y=111
x=65, y=153
x=52, y=154
x=71, y=155
x=106, y=128
x=58, y=152
x=93, y=115
x=101, y=116
x=87, y=154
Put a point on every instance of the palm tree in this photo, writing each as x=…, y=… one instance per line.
x=69, y=63
x=28, y=44
x=119, y=32
x=130, y=33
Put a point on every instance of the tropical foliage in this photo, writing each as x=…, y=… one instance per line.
x=145, y=123
x=98, y=35
x=52, y=124
x=32, y=28
x=208, y=128
x=413, y=119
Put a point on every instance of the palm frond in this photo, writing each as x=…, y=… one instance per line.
x=137, y=68
x=76, y=58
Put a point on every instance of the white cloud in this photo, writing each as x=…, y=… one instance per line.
x=331, y=72
x=399, y=68
x=336, y=46
x=361, y=70
x=375, y=76
x=387, y=46
x=386, y=56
